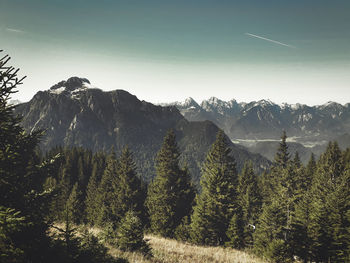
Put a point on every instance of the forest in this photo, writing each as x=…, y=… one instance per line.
x=289, y=213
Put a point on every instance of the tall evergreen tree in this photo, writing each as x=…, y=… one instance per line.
x=274, y=228
x=328, y=220
x=22, y=177
x=105, y=196
x=127, y=191
x=170, y=194
x=235, y=232
x=282, y=155
x=296, y=160
x=310, y=170
x=249, y=200
x=270, y=235
x=75, y=205
x=217, y=203
x=92, y=193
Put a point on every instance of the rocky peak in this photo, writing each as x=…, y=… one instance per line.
x=190, y=102
x=69, y=85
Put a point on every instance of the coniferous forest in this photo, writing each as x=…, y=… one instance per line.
x=49, y=201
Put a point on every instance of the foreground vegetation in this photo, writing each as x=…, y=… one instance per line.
x=290, y=212
x=172, y=251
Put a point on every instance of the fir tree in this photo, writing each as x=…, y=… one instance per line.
x=310, y=171
x=105, y=196
x=235, y=232
x=22, y=178
x=328, y=221
x=74, y=205
x=170, y=194
x=270, y=232
x=282, y=155
x=249, y=200
x=296, y=160
x=92, y=193
x=218, y=200
x=127, y=192
x=130, y=234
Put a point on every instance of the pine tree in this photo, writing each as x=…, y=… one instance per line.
x=270, y=234
x=328, y=221
x=74, y=205
x=296, y=160
x=235, y=232
x=22, y=176
x=249, y=200
x=282, y=155
x=130, y=234
x=105, y=196
x=274, y=228
x=217, y=202
x=127, y=192
x=92, y=194
x=301, y=242
x=170, y=193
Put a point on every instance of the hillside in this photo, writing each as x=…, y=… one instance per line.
x=172, y=251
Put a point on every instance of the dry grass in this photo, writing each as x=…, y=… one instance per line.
x=171, y=251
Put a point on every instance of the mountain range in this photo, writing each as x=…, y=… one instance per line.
x=74, y=113
x=258, y=125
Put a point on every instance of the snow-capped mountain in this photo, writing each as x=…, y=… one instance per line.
x=264, y=119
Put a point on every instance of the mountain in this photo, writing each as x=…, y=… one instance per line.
x=261, y=120
x=74, y=113
x=15, y=102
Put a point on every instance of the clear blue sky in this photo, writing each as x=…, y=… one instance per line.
x=161, y=51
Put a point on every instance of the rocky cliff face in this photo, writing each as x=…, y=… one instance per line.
x=74, y=113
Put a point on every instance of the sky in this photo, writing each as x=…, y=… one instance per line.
x=163, y=51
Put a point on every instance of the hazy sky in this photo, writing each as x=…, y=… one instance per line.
x=161, y=51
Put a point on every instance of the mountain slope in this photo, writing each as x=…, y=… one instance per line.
x=75, y=113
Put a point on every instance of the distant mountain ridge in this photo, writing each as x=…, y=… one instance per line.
x=74, y=113
x=264, y=119
x=257, y=125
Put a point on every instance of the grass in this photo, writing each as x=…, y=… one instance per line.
x=171, y=251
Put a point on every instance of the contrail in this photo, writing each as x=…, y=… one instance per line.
x=14, y=30
x=270, y=40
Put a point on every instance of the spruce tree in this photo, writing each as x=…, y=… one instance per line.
x=92, y=193
x=301, y=242
x=274, y=228
x=328, y=221
x=170, y=192
x=217, y=203
x=249, y=200
x=296, y=160
x=235, y=232
x=282, y=155
x=105, y=196
x=270, y=235
x=130, y=234
x=22, y=177
x=127, y=192
x=74, y=205
x=310, y=171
